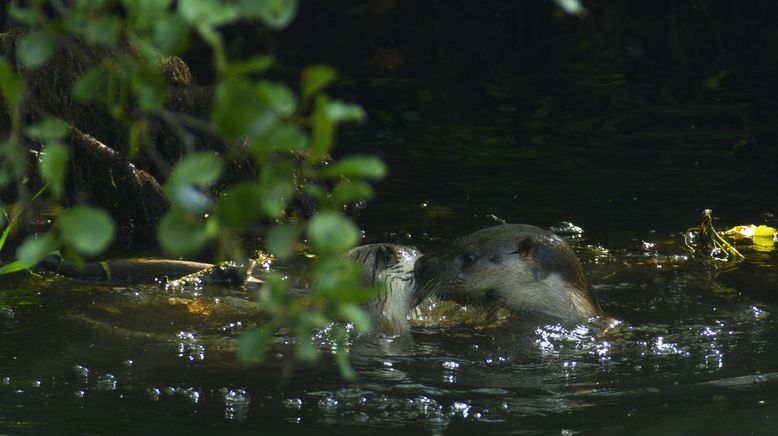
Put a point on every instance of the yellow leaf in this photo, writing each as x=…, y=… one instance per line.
x=764, y=243
x=742, y=231
x=750, y=231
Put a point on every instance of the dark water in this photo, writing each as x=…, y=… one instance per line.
x=688, y=348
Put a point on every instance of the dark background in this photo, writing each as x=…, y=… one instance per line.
x=636, y=116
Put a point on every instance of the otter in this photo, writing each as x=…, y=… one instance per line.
x=386, y=266
x=391, y=268
x=516, y=266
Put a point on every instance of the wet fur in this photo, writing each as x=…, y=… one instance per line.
x=390, y=265
x=516, y=266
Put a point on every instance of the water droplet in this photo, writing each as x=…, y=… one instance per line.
x=236, y=404
x=106, y=382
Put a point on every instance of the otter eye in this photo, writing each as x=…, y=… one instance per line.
x=468, y=259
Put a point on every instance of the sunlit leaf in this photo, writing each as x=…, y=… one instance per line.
x=281, y=240
x=147, y=12
x=171, y=35
x=276, y=14
x=274, y=292
x=188, y=197
x=764, y=243
x=278, y=97
x=338, y=336
x=239, y=111
x=35, y=248
x=280, y=136
x=572, y=7
x=48, y=128
x=240, y=205
x=180, y=233
x=323, y=130
x=210, y=12
x=198, y=168
x=53, y=166
x=87, y=229
x=366, y=167
x=35, y=48
x=341, y=112
x=350, y=192
x=22, y=15
x=252, y=345
x=276, y=187
x=88, y=85
x=13, y=267
x=331, y=232
x=305, y=349
x=751, y=230
x=11, y=85
x=103, y=30
x=252, y=65
x=316, y=78
x=355, y=315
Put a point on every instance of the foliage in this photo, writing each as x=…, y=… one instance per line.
x=286, y=132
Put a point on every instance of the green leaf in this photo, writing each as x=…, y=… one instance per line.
x=180, y=233
x=9, y=225
x=330, y=232
x=13, y=267
x=316, y=78
x=199, y=168
x=356, y=315
x=276, y=14
x=89, y=84
x=48, y=128
x=35, y=248
x=171, y=35
x=305, y=349
x=53, y=166
x=323, y=130
x=276, y=187
x=146, y=12
x=35, y=48
x=281, y=240
x=137, y=138
x=241, y=204
x=11, y=85
x=21, y=15
x=341, y=112
x=103, y=30
x=357, y=167
x=338, y=335
x=86, y=229
x=350, y=192
x=572, y=7
x=280, y=137
x=253, y=65
x=278, y=97
x=239, y=111
x=252, y=344
x=188, y=197
x=209, y=12
x=274, y=292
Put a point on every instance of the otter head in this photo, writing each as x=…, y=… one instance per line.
x=515, y=266
x=391, y=267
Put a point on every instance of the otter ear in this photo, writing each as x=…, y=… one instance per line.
x=525, y=246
